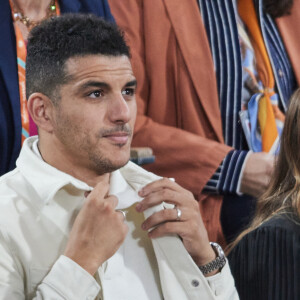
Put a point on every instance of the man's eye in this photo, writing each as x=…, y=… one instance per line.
x=95, y=94
x=128, y=92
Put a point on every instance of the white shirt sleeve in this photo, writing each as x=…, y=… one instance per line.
x=67, y=280
x=238, y=190
x=222, y=284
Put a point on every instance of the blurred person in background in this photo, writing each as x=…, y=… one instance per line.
x=265, y=258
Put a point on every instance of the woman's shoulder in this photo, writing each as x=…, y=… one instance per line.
x=283, y=222
x=278, y=230
x=266, y=261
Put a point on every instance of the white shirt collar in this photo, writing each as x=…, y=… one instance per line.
x=47, y=180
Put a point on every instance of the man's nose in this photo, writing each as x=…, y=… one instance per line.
x=118, y=109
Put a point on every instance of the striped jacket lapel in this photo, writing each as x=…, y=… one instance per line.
x=220, y=23
x=282, y=69
x=191, y=36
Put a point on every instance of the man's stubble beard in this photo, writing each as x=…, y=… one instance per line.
x=102, y=165
x=67, y=132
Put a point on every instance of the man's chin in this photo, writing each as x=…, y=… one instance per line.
x=103, y=166
x=119, y=165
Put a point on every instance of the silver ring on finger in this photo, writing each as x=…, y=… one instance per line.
x=179, y=213
x=122, y=212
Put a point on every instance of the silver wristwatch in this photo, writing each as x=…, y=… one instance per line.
x=217, y=263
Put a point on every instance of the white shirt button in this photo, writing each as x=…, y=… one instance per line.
x=195, y=283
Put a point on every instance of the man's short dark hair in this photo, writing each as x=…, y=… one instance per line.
x=56, y=40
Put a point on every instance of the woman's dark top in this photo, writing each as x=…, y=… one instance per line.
x=266, y=262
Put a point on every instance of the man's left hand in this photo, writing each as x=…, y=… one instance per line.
x=189, y=226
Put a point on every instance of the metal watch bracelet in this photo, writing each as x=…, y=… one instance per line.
x=217, y=263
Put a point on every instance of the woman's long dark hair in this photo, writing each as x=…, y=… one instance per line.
x=278, y=8
x=283, y=193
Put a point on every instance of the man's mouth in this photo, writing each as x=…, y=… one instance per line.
x=118, y=137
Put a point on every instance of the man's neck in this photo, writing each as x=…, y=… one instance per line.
x=34, y=9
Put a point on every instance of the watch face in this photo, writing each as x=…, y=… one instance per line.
x=218, y=249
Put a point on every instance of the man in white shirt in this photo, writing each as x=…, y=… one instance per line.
x=77, y=220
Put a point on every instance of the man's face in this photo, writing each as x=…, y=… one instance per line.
x=96, y=112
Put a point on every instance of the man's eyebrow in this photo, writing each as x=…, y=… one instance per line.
x=92, y=83
x=131, y=83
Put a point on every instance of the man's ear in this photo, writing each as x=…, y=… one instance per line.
x=41, y=110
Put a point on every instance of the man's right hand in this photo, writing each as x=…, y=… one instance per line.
x=98, y=230
x=257, y=173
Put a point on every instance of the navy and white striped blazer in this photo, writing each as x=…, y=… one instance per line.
x=219, y=17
